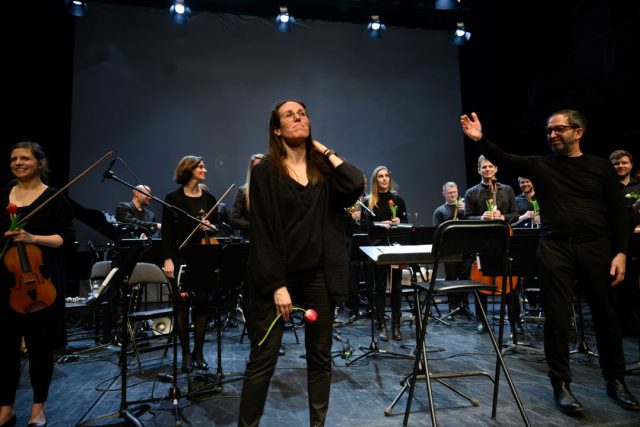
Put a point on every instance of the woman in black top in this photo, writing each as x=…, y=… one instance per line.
x=176, y=226
x=298, y=196
x=49, y=230
x=389, y=209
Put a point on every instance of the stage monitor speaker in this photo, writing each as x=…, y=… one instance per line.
x=161, y=326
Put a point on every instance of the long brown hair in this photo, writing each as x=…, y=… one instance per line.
x=317, y=164
x=373, y=199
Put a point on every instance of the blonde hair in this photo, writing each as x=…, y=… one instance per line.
x=373, y=199
x=253, y=158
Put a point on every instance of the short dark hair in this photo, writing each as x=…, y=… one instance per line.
x=38, y=152
x=618, y=154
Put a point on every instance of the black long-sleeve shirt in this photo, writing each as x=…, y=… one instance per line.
x=578, y=196
x=475, y=201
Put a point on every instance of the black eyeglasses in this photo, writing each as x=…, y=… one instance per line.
x=558, y=129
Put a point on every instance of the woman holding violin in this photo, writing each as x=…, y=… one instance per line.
x=176, y=227
x=32, y=268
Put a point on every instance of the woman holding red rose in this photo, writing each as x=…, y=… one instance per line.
x=50, y=230
x=298, y=195
x=389, y=208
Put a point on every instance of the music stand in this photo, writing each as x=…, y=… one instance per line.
x=118, y=279
x=205, y=262
x=387, y=255
x=522, y=262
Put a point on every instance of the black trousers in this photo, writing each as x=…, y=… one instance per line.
x=308, y=291
x=380, y=289
x=562, y=262
x=39, y=334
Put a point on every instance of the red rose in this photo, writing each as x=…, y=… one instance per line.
x=310, y=315
x=12, y=209
x=391, y=202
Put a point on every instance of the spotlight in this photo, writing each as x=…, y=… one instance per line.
x=76, y=8
x=284, y=21
x=461, y=36
x=180, y=12
x=375, y=27
x=447, y=4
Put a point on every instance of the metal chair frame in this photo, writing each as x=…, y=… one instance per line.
x=452, y=241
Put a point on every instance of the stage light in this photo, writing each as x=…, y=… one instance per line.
x=461, y=36
x=180, y=12
x=375, y=27
x=284, y=20
x=77, y=8
x=447, y=4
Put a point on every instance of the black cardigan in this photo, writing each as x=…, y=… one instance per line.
x=268, y=258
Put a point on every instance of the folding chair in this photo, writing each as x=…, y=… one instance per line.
x=452, y=241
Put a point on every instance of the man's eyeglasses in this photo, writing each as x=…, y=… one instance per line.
x=558, y=129
x=291, y=115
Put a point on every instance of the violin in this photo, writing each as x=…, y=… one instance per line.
x=31, y=291
x=208, y=238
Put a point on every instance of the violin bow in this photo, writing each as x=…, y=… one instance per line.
x=69, y=184
x=205, y=217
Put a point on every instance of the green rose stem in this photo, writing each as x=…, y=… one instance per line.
x=310, y=316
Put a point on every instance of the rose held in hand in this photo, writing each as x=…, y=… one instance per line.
x=310, y=316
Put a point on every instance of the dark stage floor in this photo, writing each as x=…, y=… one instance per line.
x=88, y=387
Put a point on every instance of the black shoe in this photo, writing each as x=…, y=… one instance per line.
x=11, y=422
x=395, y=331
x=36, y=424
x=519, y=329
x=187, y=363
x=382, y=331
x=199, y=362
x=566, y=402
x=618, y=391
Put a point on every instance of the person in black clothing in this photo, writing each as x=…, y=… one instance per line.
x=626, y=294
x=584, y=237
x=453, y=209
x=240, y=215
x=390, y=210
x=527, y=217
x=176, y=226
x=51, y=232
x=489, y=200
x=298, y=195
x=136, y=212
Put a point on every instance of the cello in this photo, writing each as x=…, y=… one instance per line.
x=31, y=290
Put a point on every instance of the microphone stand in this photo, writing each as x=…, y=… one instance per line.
x=174, y=392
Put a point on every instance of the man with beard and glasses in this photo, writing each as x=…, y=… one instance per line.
x=584, y=239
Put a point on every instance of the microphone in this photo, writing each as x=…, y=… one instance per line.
x=108, y=173
x=369, y=211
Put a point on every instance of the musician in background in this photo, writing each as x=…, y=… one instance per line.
x=298, y=196
x=50, y=231
x=626, y=294
x=453, y=209
x=240, y=216
x=584, y=239
x=489, y=200
x=191, y=198
x=527, y=215
x=136, y=212
x=389, y=209
x=353, y=225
